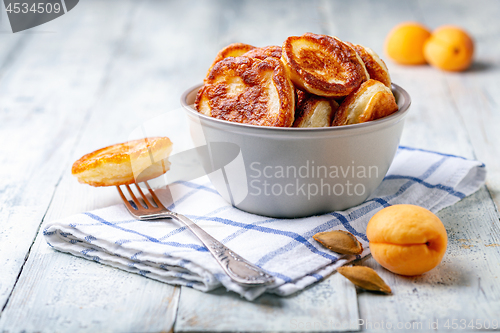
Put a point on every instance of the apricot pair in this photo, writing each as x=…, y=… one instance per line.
x=407, y=239
x=448, y=47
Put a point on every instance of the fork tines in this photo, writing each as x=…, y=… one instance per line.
x=146, y=203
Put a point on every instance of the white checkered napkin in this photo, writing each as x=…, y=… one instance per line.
x=165, y=251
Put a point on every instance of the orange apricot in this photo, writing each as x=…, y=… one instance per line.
x=449, y=48
x=405, y=42
x=407, y=239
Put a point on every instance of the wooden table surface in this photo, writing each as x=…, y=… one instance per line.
x=86, y=79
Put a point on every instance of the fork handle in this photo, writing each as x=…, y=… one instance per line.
x=239, y=269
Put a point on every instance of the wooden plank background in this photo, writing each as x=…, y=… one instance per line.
x=88, y=78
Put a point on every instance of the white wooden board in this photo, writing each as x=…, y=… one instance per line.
x=262, y=23
x=97, y=76
x=44, y=101
x=463, y=287
x=120, y=104
x=323, y=307
x=475, y=93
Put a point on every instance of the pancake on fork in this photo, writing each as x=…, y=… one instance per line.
x=373, y=100
x=375, y=66
x=313, y=111
x=323, y=65
x=250, y=91
x=262, y=53
x=232, y=50
x=123, y=163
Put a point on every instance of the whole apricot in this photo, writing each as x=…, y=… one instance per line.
x=405, y=43
x=407, y=239
x=449, y=48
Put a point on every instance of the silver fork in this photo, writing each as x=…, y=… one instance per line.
x=237, y=268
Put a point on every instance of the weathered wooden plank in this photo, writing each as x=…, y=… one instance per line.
x=12, y=45
x=11, y=260
x=364, y=22
x=320, y=307
x=477, y=102
x=324, y=307
x=144, y=78
x=437, y=123
x=262, y=23
x=432, y=123
x=121, y=105
x=60, y=293
x=463, y=287
x=37, y=99
x=44, y=101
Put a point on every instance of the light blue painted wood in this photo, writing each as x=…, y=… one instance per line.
x=58, y=292
x=120, y=70
x=323, y=307
x=262, y=23
x=46, y=89
x=450, y=112
x=475, y=93
x=463, y=287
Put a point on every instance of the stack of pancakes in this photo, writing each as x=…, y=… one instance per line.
x=311, y=81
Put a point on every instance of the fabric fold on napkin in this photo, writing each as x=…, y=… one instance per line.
x=166, y=251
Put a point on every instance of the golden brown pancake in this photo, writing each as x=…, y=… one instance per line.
x=313, y=111
x=262, y=53
x=249, y=91
x=375, y=66
x=373, y=100
x=323, y=65
x=232, y=50
x=117, y=164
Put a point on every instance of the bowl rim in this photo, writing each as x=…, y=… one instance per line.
x=404, y=106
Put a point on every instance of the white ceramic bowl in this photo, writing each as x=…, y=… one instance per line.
x=296, y=172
